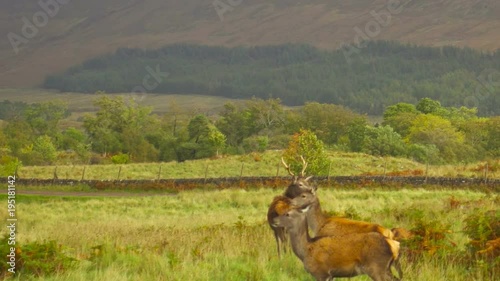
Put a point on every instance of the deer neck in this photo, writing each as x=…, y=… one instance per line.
x=315, y=217
x=299, y=238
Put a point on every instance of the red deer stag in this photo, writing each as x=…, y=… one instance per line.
x=299, y=186
x=339, y=256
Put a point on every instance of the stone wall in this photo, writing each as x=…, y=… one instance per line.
x=271, y=182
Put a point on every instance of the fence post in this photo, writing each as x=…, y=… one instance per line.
x=83, y=172
x=55, y=173
x=385, y=167
x=206, y=173
x=426, y=170
x=15, y=172
x=486, y=172
x=278, y=170
x=119, y=172
x=329, y=170
x=241, y=172
x=159, y=173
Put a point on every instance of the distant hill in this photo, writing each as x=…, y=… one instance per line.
x=72, y=33
x=381, y=73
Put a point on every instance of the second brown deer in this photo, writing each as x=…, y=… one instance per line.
x=323, y=225
x=339, y=256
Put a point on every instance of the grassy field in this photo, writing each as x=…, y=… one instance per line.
x=222, y=235
x=257, y=164
x=79, y=102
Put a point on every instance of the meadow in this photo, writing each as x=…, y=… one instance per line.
x=223, y=234
x=265, y=164
x=80, y=104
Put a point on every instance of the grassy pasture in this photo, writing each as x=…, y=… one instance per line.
x=81, y=102
x=222, y=235
x=258, y=164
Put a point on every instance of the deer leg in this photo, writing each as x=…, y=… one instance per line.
x=284, y=240
x=322, y=277
x=379, y=272
x=397, y=266
x=278, y=246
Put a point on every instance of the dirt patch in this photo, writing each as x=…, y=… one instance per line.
x=89, y=194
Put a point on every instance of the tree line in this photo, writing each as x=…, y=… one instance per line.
x=123, y=131
x=380, y=74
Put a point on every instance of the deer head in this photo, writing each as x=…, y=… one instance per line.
x=300, y=183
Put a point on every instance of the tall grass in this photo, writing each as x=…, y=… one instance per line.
x=221, y=235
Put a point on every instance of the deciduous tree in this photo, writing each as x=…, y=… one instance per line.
x=430, y=129
x=306, y=144
x=383, y=141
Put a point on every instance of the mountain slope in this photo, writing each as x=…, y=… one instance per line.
x=380, y=74
x=79, y=30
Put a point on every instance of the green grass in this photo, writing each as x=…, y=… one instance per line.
x=254, y=164
x=221, y=235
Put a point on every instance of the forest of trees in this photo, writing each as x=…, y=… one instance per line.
x=122, y=131
x=380, y=74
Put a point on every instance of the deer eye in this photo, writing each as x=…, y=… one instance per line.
x=287, y=214
x=304, y=196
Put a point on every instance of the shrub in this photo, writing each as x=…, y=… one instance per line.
x=305, y=143
x=431, y=237
x=482, y=226
x=36, y=258
x=120, y=158
x=9, y=165
x=483, y=229
x=256, y=143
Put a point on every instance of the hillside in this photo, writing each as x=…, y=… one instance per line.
x=378, y=75
x=80, y=30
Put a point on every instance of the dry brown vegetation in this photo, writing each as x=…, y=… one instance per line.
x=91, y=28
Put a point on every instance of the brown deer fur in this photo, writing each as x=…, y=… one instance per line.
x=339, y=256
x=323, y=225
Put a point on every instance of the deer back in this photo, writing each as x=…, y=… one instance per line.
x=343, y=226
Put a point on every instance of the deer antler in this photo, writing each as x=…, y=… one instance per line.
x=287, y=167
x=304, y=167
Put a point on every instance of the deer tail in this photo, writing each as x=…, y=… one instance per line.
x=394, y=246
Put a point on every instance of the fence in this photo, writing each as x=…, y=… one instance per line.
x=272, y=182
